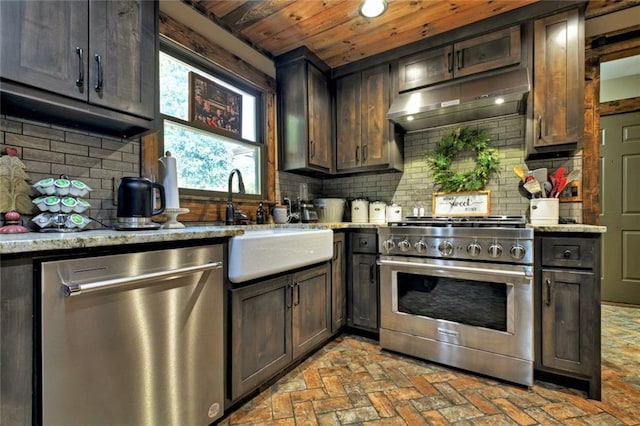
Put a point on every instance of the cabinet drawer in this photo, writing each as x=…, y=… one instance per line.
x=363, y=243
x=568, y=252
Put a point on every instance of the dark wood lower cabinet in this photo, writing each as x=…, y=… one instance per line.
x=568, y=311
x=338, y=283
x=362, y=287
x=275, y=322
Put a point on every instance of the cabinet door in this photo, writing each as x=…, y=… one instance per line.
x=311, y=314
x=44, y=45
x=423, y=69
x=569, y=320
x=338, y=287
x=123, y=56
x=348, y=128
x=558, y=82
x=319, y=119
x=260, y=322
x=491, y=51
x=364, y=291
x=375, y=92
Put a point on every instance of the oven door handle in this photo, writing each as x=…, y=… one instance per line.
x=501, y=272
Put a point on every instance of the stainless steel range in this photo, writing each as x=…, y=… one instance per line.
x=459, y=291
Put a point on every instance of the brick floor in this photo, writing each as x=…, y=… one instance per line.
x=351, y=381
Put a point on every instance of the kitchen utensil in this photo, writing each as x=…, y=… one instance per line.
x=547, y=188
x=561, y=184
x=541, y=175
x=136, y=203
x=519, y=170
x=533, y=186
x=574, y=175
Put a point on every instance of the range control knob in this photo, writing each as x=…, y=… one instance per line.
x=388, y=244
x=404, y=245
x=421, y=247
x=474, y=249
x=446, y=248
x=495, y=250
x=517, y=252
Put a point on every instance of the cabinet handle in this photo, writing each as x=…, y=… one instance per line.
x=449, y=62
x=313, y=149
x=540, y=127
x=547, y=298
x=99, y=69
x=365, y=150
x=80, y=80
x=289, y=295
x=372, y=273
x=297, y=288
x=357, y=154
x=335, y=252
x=459, y=57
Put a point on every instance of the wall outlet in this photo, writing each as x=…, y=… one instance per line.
x=571, y=193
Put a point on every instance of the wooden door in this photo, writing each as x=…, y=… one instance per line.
x=123, y=56
x=487, y=52
x=260, y=333
x=558, y=88
x=338, y=281
x=375, y=93
x=425, y=68
x=311, y=302
x=567, y=331
x=620, y=207
x=45, y=45
x=319, y=119
x=364, y=291
x=348, y=128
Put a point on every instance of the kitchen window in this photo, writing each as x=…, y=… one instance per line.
x=206, y=154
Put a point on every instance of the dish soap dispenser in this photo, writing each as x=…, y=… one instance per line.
x=260, y=213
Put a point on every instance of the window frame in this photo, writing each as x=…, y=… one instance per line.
x=195, y=60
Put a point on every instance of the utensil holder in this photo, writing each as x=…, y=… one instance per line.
x=544, y=211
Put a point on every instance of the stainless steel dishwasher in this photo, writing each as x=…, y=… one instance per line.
x=133, y=339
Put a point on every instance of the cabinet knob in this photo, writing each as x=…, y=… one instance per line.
x=567, y=254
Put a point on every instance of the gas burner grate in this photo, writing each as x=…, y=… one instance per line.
x=468, y=222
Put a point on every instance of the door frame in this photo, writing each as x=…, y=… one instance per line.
x=597, y=50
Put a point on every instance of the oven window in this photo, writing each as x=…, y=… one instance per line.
x=476, y=303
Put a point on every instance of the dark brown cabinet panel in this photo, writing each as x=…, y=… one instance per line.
x=304, y=111
x=276, y=321
x=362, y=286
x=311, y=309
x=260, y=333
x=558, y=80
x=338, y=283
x=365, y=138
x=88, y=64
x=490, y=51
x=567, y=301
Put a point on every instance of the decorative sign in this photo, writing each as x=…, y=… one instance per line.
x=214, y=106
x=462, y=203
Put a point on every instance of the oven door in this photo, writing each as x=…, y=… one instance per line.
x=484, y=307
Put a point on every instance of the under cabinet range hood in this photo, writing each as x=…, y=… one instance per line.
x=498, y=94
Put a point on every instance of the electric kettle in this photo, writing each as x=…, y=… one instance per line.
x=136, y=196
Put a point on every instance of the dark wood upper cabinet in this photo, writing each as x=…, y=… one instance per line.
x=365, y=138
x=88, y=64
x=558, y=80
x=490, y=51
x=304, y=114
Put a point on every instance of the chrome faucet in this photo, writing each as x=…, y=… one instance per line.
x=229, y=219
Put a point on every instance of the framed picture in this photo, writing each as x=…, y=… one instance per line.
x=462, y=203
x=214, y=106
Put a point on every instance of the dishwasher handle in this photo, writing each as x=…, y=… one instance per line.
x=71, y=289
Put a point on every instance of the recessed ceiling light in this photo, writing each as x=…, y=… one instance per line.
x=373, y=8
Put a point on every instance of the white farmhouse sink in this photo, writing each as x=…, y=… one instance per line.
x=259, y=253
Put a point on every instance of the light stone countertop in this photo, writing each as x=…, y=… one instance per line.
x=46, y=241
x=569, y=227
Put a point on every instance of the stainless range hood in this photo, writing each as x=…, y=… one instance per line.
x=461, y=101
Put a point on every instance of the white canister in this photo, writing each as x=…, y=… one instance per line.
x=377, y=212
x=394, y=213
x=360, y=211
x=544, y=211
x=280, y=214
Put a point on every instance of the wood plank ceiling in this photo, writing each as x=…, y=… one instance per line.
x=336, y=32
